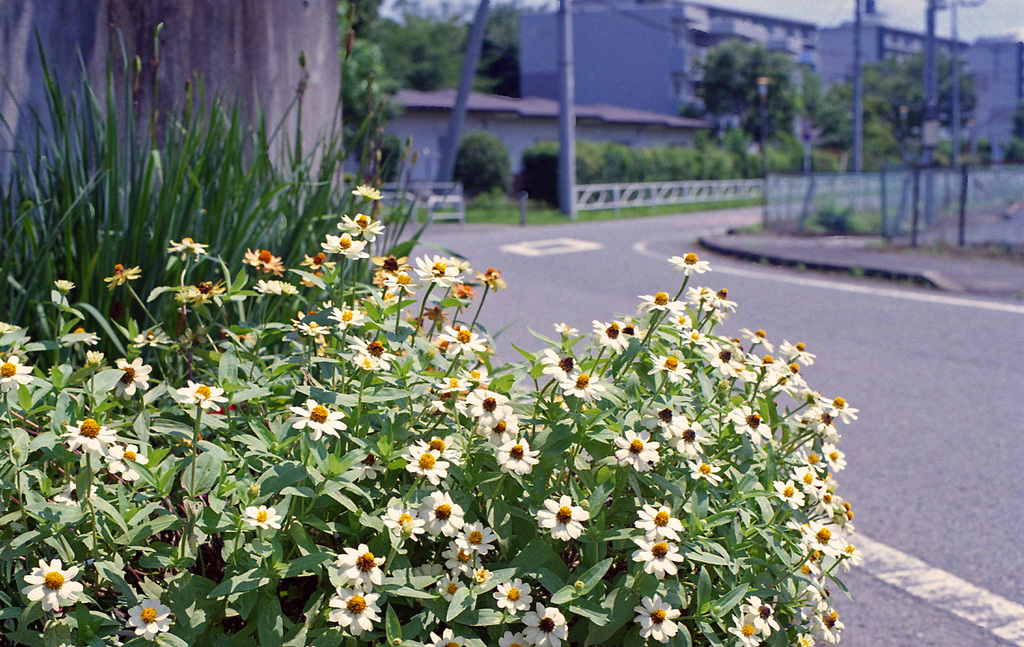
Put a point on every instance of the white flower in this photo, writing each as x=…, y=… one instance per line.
x=701, y=470
x=565, y=329
x=95, y=359
x=361, y=225
x=659, y=523
x=477, y=538
x=263, y=517
x=319, y=419
x=375, y=350
x=840, y=409
x=516, y=456
x=610, y=336
x=809, y=481
x=826, y=624
x=555, y=366
x=207, y=397
x=446, y=639
x=826, y=539
x=344, y=245
x=482, y=576
x=89, y=436
x=509, y=639
x=657, y=619
x=513, y=596
x=670, y=365
x=275, y=287
x=120, y=461
x=457, y=560
x=637, y=450
x=691, y=438
x=746, y=422
x=746, y=632
x=488, y=407
x=796, y=353
x=660, y=303
x=51, y=584
x=359, y=567
x=135, y=377
x=689, y=264
x=583, y=386
x=448, y=586
x=545, y=627
x=788, y=493
x=149, y=617
x=563, y=518
x=760, y=614
x=725, y=359
x=441, y=514
x=356, y=610
x=423, y=461
x=658, y=558
x=757, y=337
x=443, y=272
x=153, y=337
x=185, y=247
x=69, y=495
x=13, y=373
x=368, y=467
x=462, y=341
x=835, y=458
x=347, y=318
x=503, y=431
x=404, y=522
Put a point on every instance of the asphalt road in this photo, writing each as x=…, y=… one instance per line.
x=934, y=461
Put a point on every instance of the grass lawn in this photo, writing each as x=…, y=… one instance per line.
x=537, y=213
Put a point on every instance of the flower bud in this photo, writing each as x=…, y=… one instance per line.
x=578, y=585
x=253, y=491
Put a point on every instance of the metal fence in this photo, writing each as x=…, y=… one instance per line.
x=967, y=205
x=645, y=194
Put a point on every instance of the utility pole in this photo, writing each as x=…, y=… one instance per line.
x=566, y=114
x=450, y=143
x=858, y=92
x=930, y=128
x=955, y=71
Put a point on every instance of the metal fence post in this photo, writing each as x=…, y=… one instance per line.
x=882, y=175
x=962, y=225
x=915, y=207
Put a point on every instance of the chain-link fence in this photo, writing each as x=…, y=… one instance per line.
x=967, y=205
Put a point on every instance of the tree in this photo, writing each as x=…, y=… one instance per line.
x=729, y=86
x=422, y=53
x=498, y=71
x=482, y=164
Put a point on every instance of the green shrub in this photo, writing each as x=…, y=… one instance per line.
x=482, y=164
x=540, y=172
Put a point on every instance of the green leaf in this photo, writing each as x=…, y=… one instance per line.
x=461, y=601
x=270, y=624
x=227, y=369
x=170, y=640
x=620, y=606
x=247, y=581
x=481, y=618
x=683, y=639
x=392, y=628
x=106, y=380
x=703, y=591
x=730, y=600
x=207, y=472
x=305, y=564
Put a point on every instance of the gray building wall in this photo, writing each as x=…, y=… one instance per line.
x=997, y=65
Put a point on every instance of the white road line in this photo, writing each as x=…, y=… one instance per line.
x=839, y=286
x=985, y=609
x=550, y=246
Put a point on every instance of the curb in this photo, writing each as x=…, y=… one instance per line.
x=929, y=279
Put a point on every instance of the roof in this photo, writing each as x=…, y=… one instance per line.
x=541, y=108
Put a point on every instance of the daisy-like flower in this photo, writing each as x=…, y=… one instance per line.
x=660, y=302
x=263, y=517
x=809, y=480
x=545, y=627
x=367, y=192
x=826, y=624
x=840, y=409
x=689, y=264
x=344, y=245
x=94, y=359
x=555, y=366
x=149, y=617
x=492, y=279
x=458, y=560
x=361, y=225
x=658, y=523
x=90, y=436
x=757, y=338
x=354, y=609
x=504, y=431
x=6, y=327
x=760, y=614
x=403, y=522
x=750, y=424
x=441, y=514
x=423, y=461
x=670, y=365
x=562, y=518
x=610, y=336
x=489, y=408
x=187, y=246
x=135, y=376
x=369, y=467
x=482, y=576
x=796, y=352
x=154, y=337
x=477, y=538
x=788, y=492
x=319, y=420
x=444, y=447
x=360, y=567
x=583, y=386
x=462, y=341
x=656, y=619
x=851, y=557
x=263, y=259
x=746, y=632
x=726, y=360
x=658, y=557
x=207, y=397
x=447, y=638
x=63, y=286
x=53, y=585
x=275, y=287
x=443, y=272
x=637, y=450
x=13, y=373
x=701, y=470
x=516, y=456
x=509, y=639
x=513, y=596
x=690, y=440
x=69, y=495
x=565, y=329
x=122, y=275
x=317, y=262
x=347, y=318
x=823, y=538
x=374, y=349
x=121, y=460
x=835, y=458
x=401, y=283
x=449, y=585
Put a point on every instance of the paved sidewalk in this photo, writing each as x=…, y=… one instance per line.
x=952, y=271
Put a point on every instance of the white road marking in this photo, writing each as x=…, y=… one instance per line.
x=551, y=246
x=927, y=297
x=982, y=608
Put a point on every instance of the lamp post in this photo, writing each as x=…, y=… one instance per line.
x=762, y=97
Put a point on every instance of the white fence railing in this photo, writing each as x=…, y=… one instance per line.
x=645, y=194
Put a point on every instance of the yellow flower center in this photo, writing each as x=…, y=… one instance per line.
x=203, y=391
x=8, y=370
x=833, y=456
x=262, y=516
x=443, y=511
x=823, y=536
x=660, y=299
x=148, y=615
x=452, y=588
x=366, y=562
x=612, y=331
x=794, y=368
x=789, y=491
x=345, y=242
x=475, y=375
x=476, y=537
x=362, y=221
x=808, y=478
x=659, y=550
x=748, y=630
x=53, y=581
x=404, y=518
x=356, y=604
x=130, y=455
x=753, y=420
x=512, y=594
x=661, y=519
x=439, y=269
x=583, y=381
x=564, y=514
x=500, y=428
x=829, y=619
x=800, y=346
x=427, y=461
x=463, y=557
x=438, y=445
x=517, y=452
x=89, y=428
x=690, y=259
x=849, y=550
x=318, y=414
x=671, y=363
x=264, y=256
x=689, y=435
x=658, y=616
x=704, y=469
x=375, y=348
x=725, y=356
x=464, y=336
x=636, y=446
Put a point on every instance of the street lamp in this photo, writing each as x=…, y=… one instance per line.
x=762, y=96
